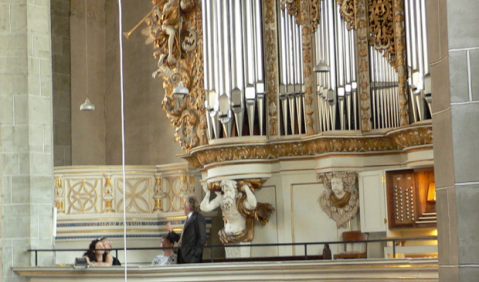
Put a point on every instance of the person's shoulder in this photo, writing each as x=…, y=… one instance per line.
x=157, y=260
x=173, y=259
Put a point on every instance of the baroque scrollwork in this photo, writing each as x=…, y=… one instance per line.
x=381, y=26
x=175, y=29
x=347, y=11
x=292, y=6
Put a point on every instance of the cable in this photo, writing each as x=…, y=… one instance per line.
x=120, y=20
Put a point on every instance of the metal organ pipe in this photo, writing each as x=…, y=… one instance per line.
x=233, y=62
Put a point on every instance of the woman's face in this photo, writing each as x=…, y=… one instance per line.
x=99, y=248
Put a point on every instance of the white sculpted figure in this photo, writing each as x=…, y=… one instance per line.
x=341, y=202
x=237, y=207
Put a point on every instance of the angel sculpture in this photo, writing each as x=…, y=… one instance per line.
x=341, y=202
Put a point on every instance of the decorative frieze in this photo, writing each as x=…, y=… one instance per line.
x=389, y=142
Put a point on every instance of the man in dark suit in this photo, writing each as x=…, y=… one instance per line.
x=193, y=237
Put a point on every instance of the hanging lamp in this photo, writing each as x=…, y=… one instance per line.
x=87, y=106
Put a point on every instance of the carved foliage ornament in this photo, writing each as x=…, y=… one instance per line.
x=381, y=26
x=175, y=29
x=271, y=49
x=347, y=11
x=306, y=12
x=341, y=201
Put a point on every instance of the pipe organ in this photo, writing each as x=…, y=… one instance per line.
x=291, y=67
x=234, y=77
x=419, y=80
x=291, y=92
x=335, y=70
x=233, y=67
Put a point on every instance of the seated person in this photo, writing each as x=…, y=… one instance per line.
x=168, y=256
x=95, y=256
x=107, y=245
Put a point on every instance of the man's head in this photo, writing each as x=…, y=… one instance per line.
x=167, y=241
x=337, y=187
x=230, y=191
x=191, y=204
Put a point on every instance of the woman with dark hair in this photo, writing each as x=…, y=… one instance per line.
x=95, y=254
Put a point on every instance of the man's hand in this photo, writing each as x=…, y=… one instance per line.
x=168, y=226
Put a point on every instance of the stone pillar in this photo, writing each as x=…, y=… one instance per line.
x=26, y=158
x=453, y=41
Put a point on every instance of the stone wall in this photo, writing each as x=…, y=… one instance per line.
x=97, y=135
x=26, y=133
x=454, y=58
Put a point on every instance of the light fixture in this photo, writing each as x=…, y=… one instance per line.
x=87, y=106
x=431, y=193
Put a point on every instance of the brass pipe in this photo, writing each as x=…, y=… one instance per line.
x=127, y=34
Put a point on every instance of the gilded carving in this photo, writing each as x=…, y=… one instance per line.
x=315, y=7
x=59, y=194
x=292, y=6
x=347, y=12
x=401, y=60
x=307, y=34
x=414, y=137
x=83, y=196
x=341, y=200
x=393, y=141
x=157, y=195
x=363, y=59
x=381, y=27
x=108, y=195
x=137, y=195
x=175, y=29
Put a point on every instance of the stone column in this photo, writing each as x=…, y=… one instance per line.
x=453, y=42
x=26, y=159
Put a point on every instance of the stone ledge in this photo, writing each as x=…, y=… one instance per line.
x=417, y=270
